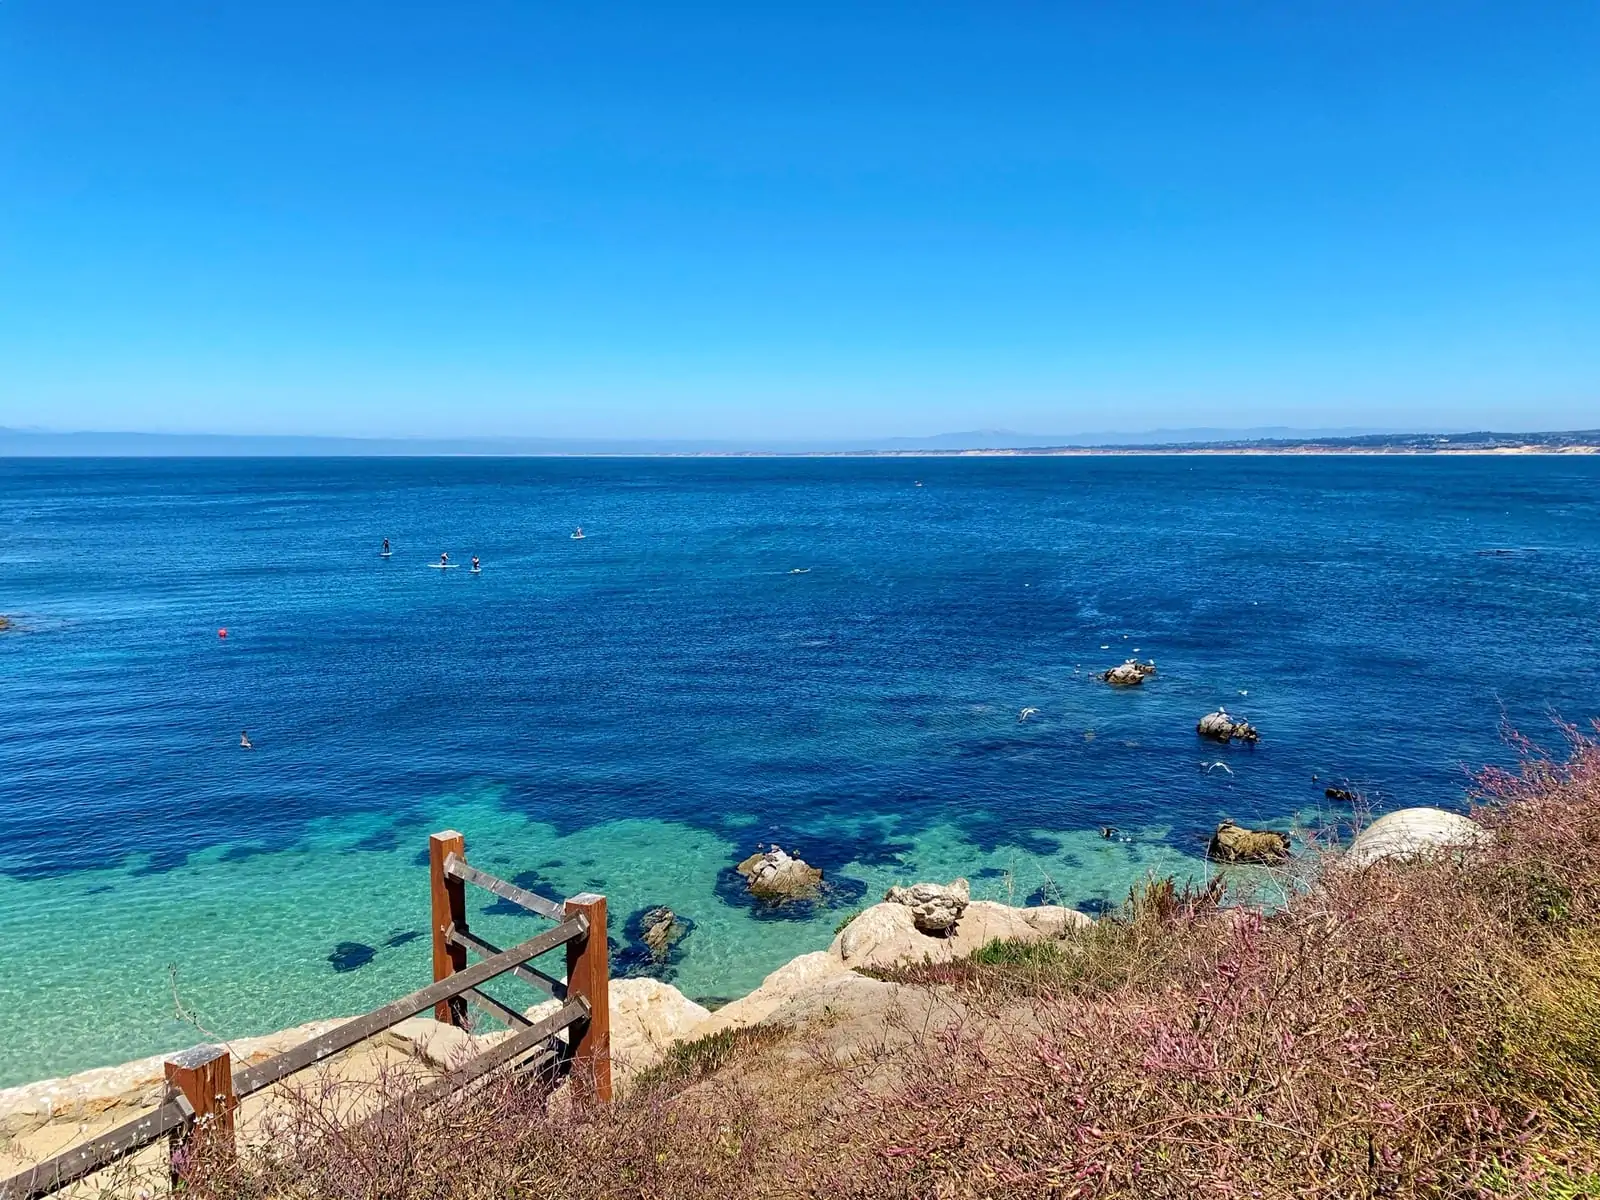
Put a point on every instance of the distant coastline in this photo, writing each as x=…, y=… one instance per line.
x=30, y=443
x=1304, y=449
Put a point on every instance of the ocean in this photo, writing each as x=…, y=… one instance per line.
x=830, y=654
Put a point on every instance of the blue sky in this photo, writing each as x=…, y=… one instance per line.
x=747, y=220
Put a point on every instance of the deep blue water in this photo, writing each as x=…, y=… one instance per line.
x=670, y=673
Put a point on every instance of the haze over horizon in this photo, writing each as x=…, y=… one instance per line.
x=714, y=223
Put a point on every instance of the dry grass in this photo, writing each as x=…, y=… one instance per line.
x=1429, y=1029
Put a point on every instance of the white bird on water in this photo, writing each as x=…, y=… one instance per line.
x=1025, y=714
x=1213, y=766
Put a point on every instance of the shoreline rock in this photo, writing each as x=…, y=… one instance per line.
x=886, y=935
x=935, y=908
x=647, y=1015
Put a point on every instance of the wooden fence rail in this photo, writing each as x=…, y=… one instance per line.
x=203, y=1091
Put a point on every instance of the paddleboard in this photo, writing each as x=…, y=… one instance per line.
x=444, y=566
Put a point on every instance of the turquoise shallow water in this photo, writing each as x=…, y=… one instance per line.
x=633, y=712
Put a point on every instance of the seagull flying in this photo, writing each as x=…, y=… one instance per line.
x=1025, y=714
x=1219, y=763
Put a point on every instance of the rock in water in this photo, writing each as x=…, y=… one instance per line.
x=1219, y=726
x=1130, y=674
x=659, y=929
x=5, y=624
x=934, y=908
x=777, y=875
x=1235, y=843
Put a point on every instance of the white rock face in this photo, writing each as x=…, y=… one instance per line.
x=886, y=935
x=647, y=1016
x=934, y=907
x=133, y=1086
x=1412, y=831
x=812, y=985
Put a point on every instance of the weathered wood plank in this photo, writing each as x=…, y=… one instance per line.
x=512, y=1048
x=253, y=1079
x=98, y=1153
x=545, y=983
x=504, y=1011
x=457, y=866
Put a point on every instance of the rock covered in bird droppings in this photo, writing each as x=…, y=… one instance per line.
x=777, y=875
x=1221, y=727
x=1130, y=674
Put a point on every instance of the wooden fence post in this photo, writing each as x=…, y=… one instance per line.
x=204, y=1076
x=589, y=976
x=449, y=909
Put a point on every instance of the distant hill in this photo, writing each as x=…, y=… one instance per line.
x=42, y=443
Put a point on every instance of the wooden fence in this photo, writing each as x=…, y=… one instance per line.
x=203, y=1090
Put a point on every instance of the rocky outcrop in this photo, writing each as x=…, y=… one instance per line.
x=1130, y=674
x=1221, y=727
x=1410, y=832
x=1235, y=844
x=776, y=875
x=935, y=908
x=886, y=935
x=659, y=930
x=801, y=987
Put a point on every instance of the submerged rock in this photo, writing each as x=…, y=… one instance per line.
x=1412, y=831
x=1130, y=674
x=934, y=907
x=1221, y=727
x=350, y=956
x=659, y=928
x=1234, y=843
x=777, y=875
x=5, y=623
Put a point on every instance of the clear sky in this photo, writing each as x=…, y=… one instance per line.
x=764, y=220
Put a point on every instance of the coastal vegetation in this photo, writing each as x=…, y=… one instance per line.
x=1425, y=1026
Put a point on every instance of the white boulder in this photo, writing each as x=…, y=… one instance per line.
x=1411, y=831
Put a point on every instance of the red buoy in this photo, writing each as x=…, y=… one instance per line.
x=222, y=633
